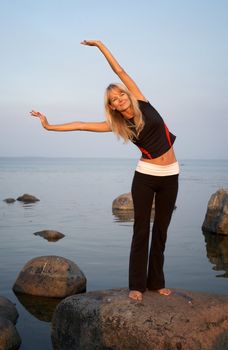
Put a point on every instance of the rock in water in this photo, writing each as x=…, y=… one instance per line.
x=216, y=219
x=123, y=202
x=9, y=200
x=110, y=320
x=50, y=235
x=50, y=276
x=8, y=310
x=9, y=337
x=27, y=198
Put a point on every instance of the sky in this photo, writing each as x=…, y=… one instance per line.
x=175, y=50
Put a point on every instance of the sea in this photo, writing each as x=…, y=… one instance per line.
x=76, y=198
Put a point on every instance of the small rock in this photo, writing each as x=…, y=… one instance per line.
x=50, y=276
x=216, y=219
x=27, y=198
x=9, y=337
x=9, y=200
x=8, y=310
x=123, y=202
x=50, y=235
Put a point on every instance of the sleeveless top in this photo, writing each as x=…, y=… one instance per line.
x=155, y=139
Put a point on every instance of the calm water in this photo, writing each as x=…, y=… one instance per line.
x=76, y=199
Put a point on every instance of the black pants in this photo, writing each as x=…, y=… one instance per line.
x=143, y=272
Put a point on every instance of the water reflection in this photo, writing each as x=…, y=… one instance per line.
x=40, y=307
x=217, y=252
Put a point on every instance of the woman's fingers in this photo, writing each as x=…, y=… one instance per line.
x=36, y=114
x=89, y=42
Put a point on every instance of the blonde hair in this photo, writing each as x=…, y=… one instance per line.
x=115, y=119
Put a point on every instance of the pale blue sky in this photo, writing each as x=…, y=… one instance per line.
x=175, y=50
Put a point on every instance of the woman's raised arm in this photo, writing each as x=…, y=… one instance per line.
x=124, y=77
x=73, y=126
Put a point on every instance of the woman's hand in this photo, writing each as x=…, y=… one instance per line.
x=91, y=42
x=42, y=117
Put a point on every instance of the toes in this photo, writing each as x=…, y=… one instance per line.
x=164, y=291
x=135, y=295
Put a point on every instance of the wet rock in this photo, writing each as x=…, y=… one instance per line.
x=110, y=320
x=50, y=235
x=8, y=310
x=9, y=200
x=216, y=219
x=9, y=337
x=27, y=198
x=50, y=276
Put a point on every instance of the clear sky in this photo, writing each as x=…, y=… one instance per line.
x=176, y=51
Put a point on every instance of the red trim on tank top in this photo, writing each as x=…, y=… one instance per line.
x=168, y=135
x=144, y=151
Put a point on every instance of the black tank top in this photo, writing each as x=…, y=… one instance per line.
x=155, y=139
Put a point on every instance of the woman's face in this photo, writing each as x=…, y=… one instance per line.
x=119, y=100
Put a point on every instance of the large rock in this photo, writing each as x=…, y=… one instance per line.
x=50, y=276
x=9, y=337
x=8, y=310
x=216, y=219
x=110, y=320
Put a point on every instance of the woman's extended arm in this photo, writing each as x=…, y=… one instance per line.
x=124, y=77
x=80, y=126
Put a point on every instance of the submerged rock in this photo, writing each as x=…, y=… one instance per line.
x=216, y=219
x=110, y=320
x=27, y=198
x=50, y=235
x=50, y=276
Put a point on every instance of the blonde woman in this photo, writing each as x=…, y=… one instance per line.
x=131, y=117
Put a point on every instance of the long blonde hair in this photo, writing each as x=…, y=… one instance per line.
x=115, y=119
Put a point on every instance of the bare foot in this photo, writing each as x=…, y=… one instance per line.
x=135, y=295
x=164, y=291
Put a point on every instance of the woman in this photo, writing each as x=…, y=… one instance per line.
x=131, y=117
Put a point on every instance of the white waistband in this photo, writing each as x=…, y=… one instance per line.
x=157, y=170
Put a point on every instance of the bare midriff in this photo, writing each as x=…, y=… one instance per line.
x=166, y=159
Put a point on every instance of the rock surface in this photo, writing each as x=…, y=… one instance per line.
x=9, y=337
x=50, y=235
x=216, y=219
x=27, y=198
x=110, y=320
x=50, y=276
